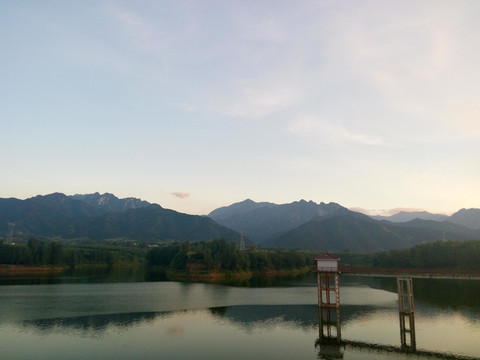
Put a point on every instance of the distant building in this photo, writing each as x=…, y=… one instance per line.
x=327, y=263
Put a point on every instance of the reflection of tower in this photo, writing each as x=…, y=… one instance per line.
x=330, y=335
x=11, y=228
x=406, y=312
x=242, y=242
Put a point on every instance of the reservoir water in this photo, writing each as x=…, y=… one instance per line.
x=91, y=317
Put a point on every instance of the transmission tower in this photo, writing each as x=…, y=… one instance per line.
x=242, y=242
x=11, y=228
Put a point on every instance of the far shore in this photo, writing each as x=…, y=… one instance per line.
x=14, y=270
x=215, y=275
x=195, y=276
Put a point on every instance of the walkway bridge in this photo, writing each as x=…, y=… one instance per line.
x=456, y=274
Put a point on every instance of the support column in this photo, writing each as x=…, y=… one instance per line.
x=406, y=313
x=328, y=283
x=329, y=307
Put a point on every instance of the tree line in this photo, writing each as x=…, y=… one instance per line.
x=436, y=255
x=440, y=254
x=40, y=253
x=223, y=256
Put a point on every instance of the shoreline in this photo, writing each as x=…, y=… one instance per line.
x=219, y=275
x=25, y=270
x=13, y=270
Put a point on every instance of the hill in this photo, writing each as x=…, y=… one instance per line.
x=404, y=216
x=224, y=213
x=356, y=232
x=153, y=224
x=48, y=215
x=467, y=217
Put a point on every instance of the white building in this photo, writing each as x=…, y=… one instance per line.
x=327, y=263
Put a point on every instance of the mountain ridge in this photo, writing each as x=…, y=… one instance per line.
x=264, y=222
x=300, y=224
x=327, y=229
x=109, y=202
x=97, y=217
x=404, y=216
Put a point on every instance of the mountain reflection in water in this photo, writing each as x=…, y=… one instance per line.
x=93, y=324
x=243, y=316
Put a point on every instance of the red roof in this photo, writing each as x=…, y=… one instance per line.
x=326, y=256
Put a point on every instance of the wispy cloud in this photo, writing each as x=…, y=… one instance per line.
x=141, y=32
x=384, y=212
x=256, y=100
x=181, y=195
x=328, y=131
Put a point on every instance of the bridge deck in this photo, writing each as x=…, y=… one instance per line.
x=413, y=273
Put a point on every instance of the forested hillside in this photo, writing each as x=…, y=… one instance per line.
x=40, y=253
x=219, y=255
x=437, y=255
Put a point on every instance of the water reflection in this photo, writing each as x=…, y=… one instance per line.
x=252, y=324
x=329, y=341
x=440, y=293
x=246, y=317
x=331, y=345
x=406, y=314
x=91, y=325
x=84, y=275
x=123, y=320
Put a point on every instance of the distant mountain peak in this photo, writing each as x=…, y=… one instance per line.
x=260, y=221
x=109, y=202
x=405, y=216
x=467, y=217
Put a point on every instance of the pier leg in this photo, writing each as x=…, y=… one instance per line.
x=328, y=285
x=329, y=307
x=406, y=313
x=330, y=335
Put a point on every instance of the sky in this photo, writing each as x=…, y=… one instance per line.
x=196, y=105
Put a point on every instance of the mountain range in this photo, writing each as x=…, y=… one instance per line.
x=262, y=221
x=404, y=216
x=299, y=225
x=100, y=217
x=332, y=227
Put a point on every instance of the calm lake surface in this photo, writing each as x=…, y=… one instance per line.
x=122, y=316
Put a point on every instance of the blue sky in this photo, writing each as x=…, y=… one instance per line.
x=199, y=104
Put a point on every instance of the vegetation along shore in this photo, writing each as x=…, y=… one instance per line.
x=218, y=259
